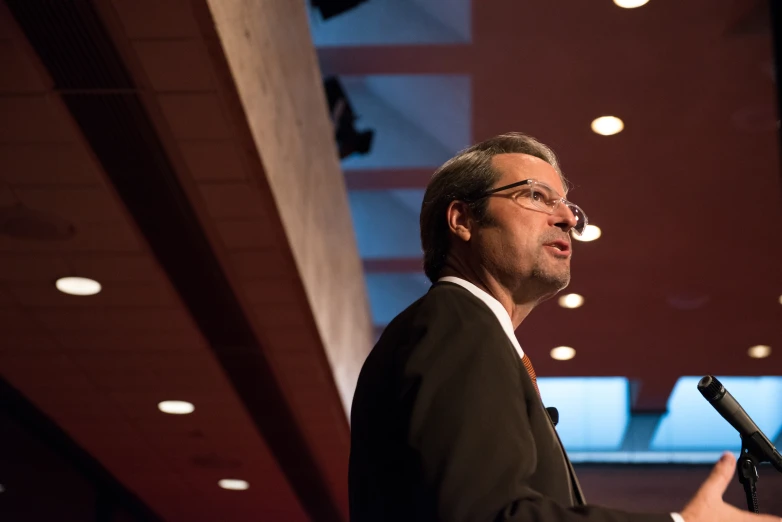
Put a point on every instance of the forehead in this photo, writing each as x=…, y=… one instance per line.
x=518, y=167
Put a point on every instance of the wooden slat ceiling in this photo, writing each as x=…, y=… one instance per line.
x=99, y=365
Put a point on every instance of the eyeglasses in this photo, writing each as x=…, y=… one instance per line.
x=539, y=196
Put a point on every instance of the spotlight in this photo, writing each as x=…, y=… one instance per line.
x=234, y=484
x=329, y=8
x=349, y=140
x=77, y=286
x=176, y=407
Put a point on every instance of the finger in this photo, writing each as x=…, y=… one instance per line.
x=719, y=478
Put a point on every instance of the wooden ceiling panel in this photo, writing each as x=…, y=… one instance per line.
x=281, y=315
x=32, y=268
x=7, y=28
x=90, y=237
x=233, y=201
x=194, y=116
x=138, y=341
x=83, y=204
x=44, y=371
x=5, y=298
x=18, y=74
x=162, y=371
x=295, y=342
x=272, y=291
x=113, y=319
x=259, y=265
x=214, y=161
x=34, y=118
x=247, y=234
x=139, y=268
x=156, y=18
x=15, y=321
x=44, y=294
x=176, y=65
x=47, y=163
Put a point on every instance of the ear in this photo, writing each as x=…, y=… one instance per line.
x=460, y=220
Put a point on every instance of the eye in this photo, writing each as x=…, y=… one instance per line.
x=541, y=196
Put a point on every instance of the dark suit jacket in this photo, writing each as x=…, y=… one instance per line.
x=446, y=425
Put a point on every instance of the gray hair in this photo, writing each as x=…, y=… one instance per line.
x=464, y=177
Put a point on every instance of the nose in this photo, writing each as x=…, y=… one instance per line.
x=564, y=218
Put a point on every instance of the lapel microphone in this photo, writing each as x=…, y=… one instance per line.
x=553, y=413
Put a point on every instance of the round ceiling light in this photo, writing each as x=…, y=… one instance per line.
x=571, y=301
x=234, y=484
x=563, y=353
x=780, y=299
x=760, y=351
x=591, y=232
x=78, y=286
x=176, y=407
x=631, y=4
x=607, y=125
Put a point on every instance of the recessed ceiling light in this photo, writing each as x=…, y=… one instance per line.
x=571, y=301
x=77, y=286
x=630, y=4
x=563, y=353
x=780, y=299
x=2, y=488
x=176, y=407
x=234, y=484
x=591, y=232
x=607, y=125
x=760, y=351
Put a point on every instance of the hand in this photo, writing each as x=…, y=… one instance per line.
x=707, y=504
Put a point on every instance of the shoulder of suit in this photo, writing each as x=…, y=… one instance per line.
x=450, y=298
x=443, y=300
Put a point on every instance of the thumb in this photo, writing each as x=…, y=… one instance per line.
x=720, y=477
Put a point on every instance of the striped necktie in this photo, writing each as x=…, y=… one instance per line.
x=531, y=371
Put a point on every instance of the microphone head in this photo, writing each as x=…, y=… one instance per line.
x=711, y=388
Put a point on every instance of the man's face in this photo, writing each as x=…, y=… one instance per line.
x=517, y=243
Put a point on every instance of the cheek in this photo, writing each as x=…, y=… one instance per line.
x=519, y=239
x=514, y=248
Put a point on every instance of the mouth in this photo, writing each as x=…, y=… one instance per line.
x=560, y=248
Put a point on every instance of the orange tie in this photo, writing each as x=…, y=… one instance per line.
x=531, y=371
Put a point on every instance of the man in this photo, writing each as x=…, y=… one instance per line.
x=447, y=422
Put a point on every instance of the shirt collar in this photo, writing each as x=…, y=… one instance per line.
x=495, y=306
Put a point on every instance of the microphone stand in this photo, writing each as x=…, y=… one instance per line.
x=748, y=475
x=754, y=451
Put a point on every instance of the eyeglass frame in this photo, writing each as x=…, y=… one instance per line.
x=559, y=201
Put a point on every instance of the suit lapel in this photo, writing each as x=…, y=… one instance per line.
x=575, y=488
x=577, y=491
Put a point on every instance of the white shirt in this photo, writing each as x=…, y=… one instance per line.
x=507, y=325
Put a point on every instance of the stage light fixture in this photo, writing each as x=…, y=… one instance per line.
x=349, y=140
x=331, y=8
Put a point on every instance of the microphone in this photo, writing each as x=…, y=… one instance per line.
x=754, y=439
x=553, y=413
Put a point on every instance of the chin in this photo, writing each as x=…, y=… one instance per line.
x=553, y=282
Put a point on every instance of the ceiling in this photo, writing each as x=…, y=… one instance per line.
x=180, y=153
